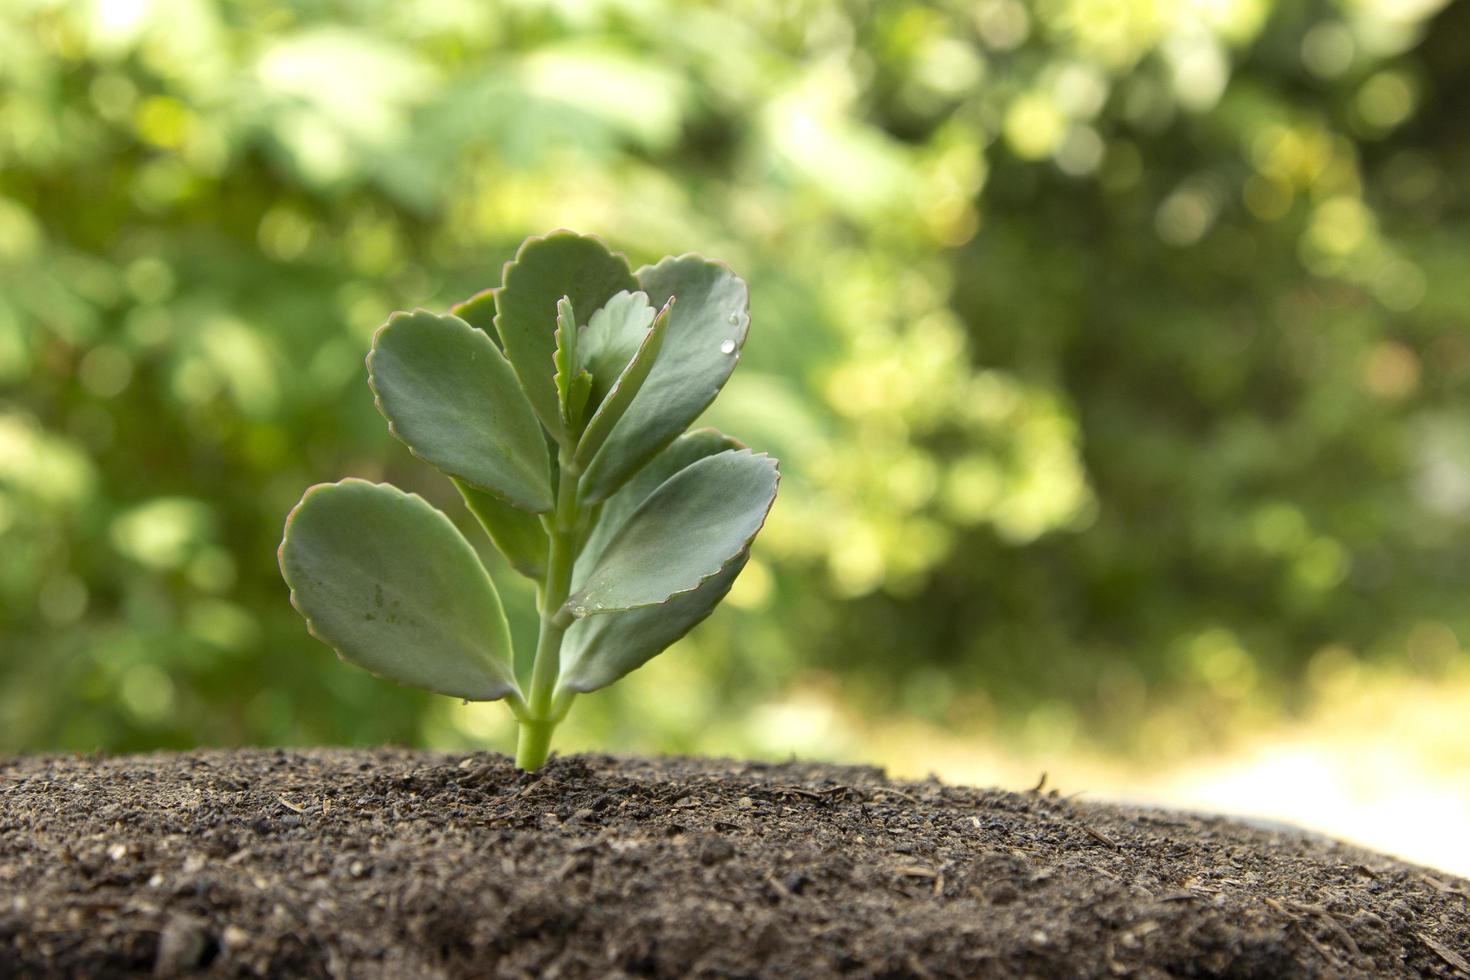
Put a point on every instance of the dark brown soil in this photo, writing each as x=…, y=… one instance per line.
x=407, y=864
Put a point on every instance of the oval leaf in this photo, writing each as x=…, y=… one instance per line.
x=515, y=533
x=389, y=583
x=450, y=395
x=679, y=454
x=563, y=264
x=598, y=650
x=692, y=526
x=707, y=327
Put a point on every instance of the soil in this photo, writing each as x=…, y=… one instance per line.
x=392, y=863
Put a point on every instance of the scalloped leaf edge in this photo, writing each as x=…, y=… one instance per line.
x=311, y=628
x=515, y=260
x=393, y=429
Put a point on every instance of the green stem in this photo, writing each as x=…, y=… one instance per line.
x=543, y=709
x=534, y=744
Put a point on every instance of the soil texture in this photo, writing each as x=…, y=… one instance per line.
x=391, y=863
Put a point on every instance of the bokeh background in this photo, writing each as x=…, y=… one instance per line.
x=1116, y=353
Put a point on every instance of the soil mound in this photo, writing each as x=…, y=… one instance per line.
x=389, y=863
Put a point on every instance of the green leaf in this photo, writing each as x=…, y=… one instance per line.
x=598, y=650
x=564, y=356
x=390, y=584
x=479, y=312
x=573, y=385
x=706, y=330
x=451, y=397
x=693, y=525
x=623, y=392
x=612, y=337
x=563, y=264
x=615, y=511
x=577, y=400
x=518, y=535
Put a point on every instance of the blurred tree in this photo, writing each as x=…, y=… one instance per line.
x=1116, y=353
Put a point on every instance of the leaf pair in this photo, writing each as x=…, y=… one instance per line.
x=390, y=584
x=699, y=487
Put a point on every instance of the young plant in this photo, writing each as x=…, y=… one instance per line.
x=557, y=404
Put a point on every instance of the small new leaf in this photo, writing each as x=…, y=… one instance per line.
x=612, y=337
x=573, y=385
x=706, y=331
x=625, y=389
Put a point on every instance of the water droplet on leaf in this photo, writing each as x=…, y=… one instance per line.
x=728, y=347
x=734, y=317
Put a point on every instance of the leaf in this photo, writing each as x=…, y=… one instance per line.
x=563, y=264
x=451, y=397
x=390, y=584
x=479, y=312
x=577, y=400
x=615, y=511
x=688, y=529
x=612, y=337
x=624, y=390
x=706, y=330
x=573, y=385
x=598, y=650
x=517, y=535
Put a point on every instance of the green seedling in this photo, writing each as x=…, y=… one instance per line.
x=557, y=404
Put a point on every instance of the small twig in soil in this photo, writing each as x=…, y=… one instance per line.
x=533, y=787
x=1451, y=957
x=1332, y=923
x=915, y=871
x=294, y=808
x=797, y=791
x=1294, y=914
x=1040, y=784
x=885, y=791
x=1322, y=950
x=1099, y=836
x=1440, y=886
x=478, y=775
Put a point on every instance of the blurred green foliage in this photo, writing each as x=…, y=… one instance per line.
x=1116, y=353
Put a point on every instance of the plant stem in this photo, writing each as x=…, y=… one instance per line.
x=541, y=715
x=533, y=743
